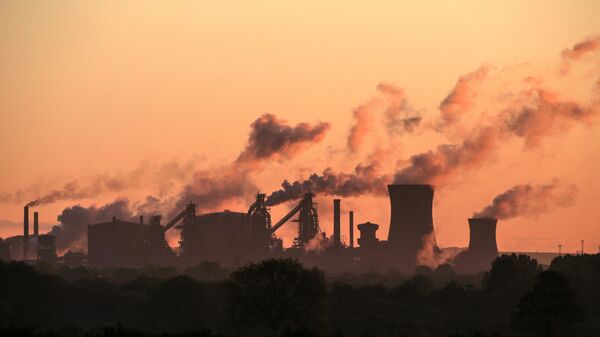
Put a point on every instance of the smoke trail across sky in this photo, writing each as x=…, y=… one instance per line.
x=527, y=200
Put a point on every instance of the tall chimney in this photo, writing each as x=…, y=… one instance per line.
x=351, y=228
x=336, y=222
x=141, y=219
x=36, y=226
x=25, y=232
x=411, y=219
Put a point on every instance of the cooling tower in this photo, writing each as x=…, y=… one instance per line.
x=411, y=219
x=482, y=239
x=482, y=247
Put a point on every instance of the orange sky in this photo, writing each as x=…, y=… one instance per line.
x=96, y=88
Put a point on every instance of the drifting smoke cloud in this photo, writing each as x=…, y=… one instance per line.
x=146, y=174
x=540, y=113
x=535, y=113
x=271, y=138
x=214, y=189
x=460, y=98
x=317, y=244
x=366, y=179
x=72, y=230
x=399, y=117
x=438, y=166
x=363, y=123
x=430, y=255
x=579, y=50
x=528, y=200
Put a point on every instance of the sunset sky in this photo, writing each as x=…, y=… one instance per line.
x=151, y=93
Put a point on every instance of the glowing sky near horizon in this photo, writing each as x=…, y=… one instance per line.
x=96, y=88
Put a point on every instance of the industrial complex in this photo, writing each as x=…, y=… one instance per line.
x=234, y=238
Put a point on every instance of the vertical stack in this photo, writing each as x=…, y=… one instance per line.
x=336, y=222
x=25, y=232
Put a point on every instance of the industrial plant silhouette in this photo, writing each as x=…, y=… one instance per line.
x=231, y=275
x=235, y=238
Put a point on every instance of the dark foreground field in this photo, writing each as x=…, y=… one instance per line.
x=283, y=298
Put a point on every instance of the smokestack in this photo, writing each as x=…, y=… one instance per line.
x=141, y=219
x=351, y=228
x=411, y=219
x=25, y=232
x=26, y=222
x=36, y=226
x=336, y=222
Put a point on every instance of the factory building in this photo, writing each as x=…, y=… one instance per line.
x=46, y=247
x=235, y=238
x=127, y=244
x=368, y=237
x=221, y=237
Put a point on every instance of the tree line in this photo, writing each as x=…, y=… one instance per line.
x=516, y=297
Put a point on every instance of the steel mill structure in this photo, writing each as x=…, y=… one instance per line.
x=26, y=247
x=234, y=238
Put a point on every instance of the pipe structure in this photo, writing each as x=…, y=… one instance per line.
x=336, y=222
x=351, y=228
x=25, y=232
x=36, y=226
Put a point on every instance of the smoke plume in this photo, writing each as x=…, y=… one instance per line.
x=528, y=200
x=146, y=174
x=366, y=179
x=430, y=255
x=212, y=189
x=579, y=50
x=539, y=113
x=71, y=233
x=399, y=116
x=317, y=244
x=438, y=166
x=271, y=138
x=460, y=98
x=363, y=123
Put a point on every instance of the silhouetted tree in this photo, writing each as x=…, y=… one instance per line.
x=583, y=272
x=549, y=310
x=278, y=294
x=513, y=273
x=207, y=272
x=509, y=278
x=177, y=304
